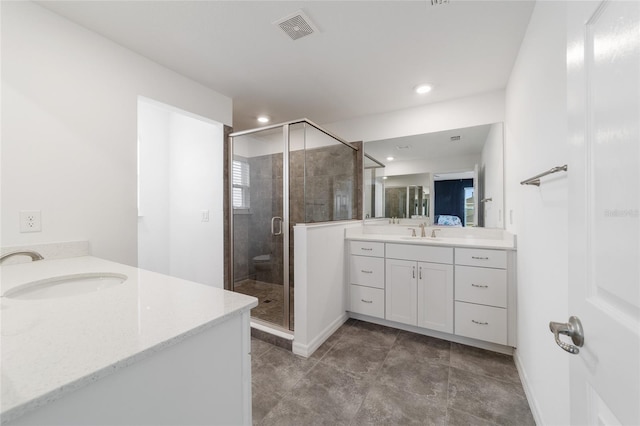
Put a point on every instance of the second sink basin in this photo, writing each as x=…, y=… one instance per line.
x=66, y=285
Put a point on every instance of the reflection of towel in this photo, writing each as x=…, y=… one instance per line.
x=449, y=220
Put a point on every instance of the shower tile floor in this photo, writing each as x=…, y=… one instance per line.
x=270, y=300
x=367, y=374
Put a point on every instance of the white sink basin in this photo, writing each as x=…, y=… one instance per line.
x=66, y=285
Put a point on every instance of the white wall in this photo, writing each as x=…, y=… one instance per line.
x=320, y=283
x=196, y=175
x=421, y=179
x=470, y=111
x=536, y=140
x=180, y=176
x=154, y=219
x=69, y=128
x=491, y=165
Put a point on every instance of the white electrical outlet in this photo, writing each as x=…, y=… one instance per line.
x=30, y=221
x=205, y=216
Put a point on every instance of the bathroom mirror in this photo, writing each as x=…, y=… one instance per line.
x=455, y=177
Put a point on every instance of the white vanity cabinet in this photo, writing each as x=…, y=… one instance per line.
x=366, y=272
x=482, y=295
x=463, y=293
x=419, y=286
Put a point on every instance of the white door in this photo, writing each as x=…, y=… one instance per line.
x=603, y=70
x=400, y=291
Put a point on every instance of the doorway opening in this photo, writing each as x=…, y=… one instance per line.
x=180, y=185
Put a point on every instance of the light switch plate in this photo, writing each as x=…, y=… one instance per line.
x=30, y=221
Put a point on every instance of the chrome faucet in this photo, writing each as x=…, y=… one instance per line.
x=34, y=255
x=413, y=231
x=433, y=233
x=422, y=232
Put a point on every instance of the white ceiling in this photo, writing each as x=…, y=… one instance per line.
x=431, y=145
x=366, y=59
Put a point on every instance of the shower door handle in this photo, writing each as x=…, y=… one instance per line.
x=273, y=226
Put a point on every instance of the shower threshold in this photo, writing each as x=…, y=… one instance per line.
x=272, y=334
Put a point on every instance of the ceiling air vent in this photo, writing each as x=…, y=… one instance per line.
x=297, y=25
x=455, y=138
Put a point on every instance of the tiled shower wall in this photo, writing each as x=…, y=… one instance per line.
x=331, y=183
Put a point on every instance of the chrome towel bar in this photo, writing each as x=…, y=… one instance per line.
x=536, y=179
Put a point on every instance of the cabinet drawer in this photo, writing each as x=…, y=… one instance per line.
x=367, y=301
x=367, y=271
x=420, y=253
x=484, y=286
x=367, y=248
x=481, y=257
x=481, y=322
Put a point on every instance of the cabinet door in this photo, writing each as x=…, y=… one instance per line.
x=435, y=296
x=400, y=291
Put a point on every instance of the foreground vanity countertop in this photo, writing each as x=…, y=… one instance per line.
x=446, y=238
x=53, y=346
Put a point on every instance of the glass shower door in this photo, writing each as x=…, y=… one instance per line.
x=259, y=224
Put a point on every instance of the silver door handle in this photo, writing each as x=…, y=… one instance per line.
x=573, y=329
x=273, y=226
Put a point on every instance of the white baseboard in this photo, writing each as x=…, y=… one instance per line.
x=308, y=349
x=535, y=410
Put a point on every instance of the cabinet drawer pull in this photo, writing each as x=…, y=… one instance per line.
x=414, y=272
x=367, y=301
x=479, y=286
x=479, y=258
x=479, y=322
x=366, y=249
x=366, y=272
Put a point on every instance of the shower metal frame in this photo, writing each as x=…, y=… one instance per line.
x=285, y=208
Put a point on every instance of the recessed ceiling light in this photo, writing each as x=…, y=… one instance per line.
x=384, y=177
x=263, y=119
x=390, y=158
x=423, y=88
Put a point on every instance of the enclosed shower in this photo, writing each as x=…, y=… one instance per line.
x=280, y=176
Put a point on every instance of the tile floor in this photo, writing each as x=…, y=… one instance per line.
x=270, y=300
x=367, y=374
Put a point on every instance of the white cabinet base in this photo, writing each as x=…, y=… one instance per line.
x=508, y=350
x=204, y=379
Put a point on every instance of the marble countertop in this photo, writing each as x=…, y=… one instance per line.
x=471, y=241
x=54, y=346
